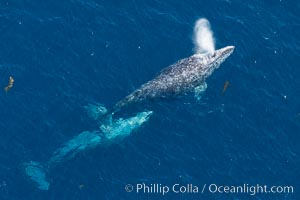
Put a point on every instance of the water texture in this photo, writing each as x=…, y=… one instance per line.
x=66, y=56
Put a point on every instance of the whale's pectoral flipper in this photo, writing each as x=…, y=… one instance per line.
x=199, y=90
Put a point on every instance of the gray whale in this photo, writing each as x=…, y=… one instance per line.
x=179, y=78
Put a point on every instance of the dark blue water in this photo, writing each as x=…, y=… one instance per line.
x=64, y=55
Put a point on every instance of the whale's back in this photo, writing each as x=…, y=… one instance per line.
x=176, y=79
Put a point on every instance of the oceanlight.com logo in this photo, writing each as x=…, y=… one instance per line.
x=250, y=189
x=160, y=189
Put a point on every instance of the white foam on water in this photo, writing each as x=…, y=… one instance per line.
x=203, y=37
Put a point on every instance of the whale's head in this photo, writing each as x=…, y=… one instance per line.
x=220, y=55
x=212, y=60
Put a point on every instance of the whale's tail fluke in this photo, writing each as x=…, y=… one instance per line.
x=37, y=173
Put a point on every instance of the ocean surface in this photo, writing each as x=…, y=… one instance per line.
x=66, y=55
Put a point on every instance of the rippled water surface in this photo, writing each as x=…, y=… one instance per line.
x=65, y=55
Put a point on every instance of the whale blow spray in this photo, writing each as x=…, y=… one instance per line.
x=203, y=37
